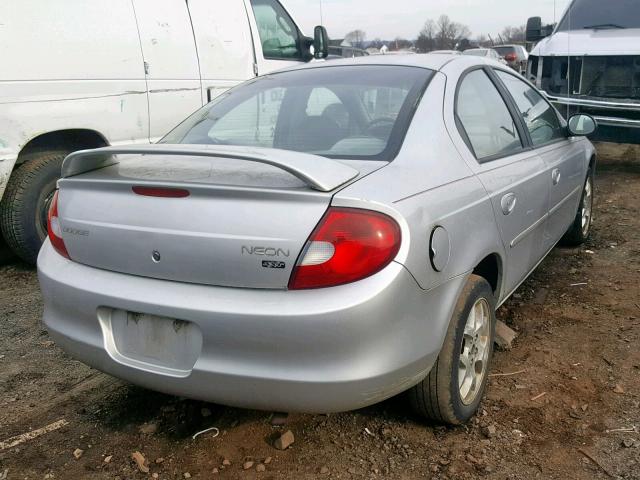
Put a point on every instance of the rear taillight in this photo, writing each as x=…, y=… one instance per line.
x=54, y=229
x=348, y=244
x=510, y=57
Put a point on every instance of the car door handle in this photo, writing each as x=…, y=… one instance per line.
x=555, y=176
x=508, y=203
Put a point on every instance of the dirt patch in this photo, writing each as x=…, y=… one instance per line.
x=566, y=415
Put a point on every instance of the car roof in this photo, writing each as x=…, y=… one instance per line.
x=424, y=60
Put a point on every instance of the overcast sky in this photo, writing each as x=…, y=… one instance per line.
x=389, y=19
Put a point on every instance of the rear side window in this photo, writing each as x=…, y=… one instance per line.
x=485, y=118
x=541, y=119
x=279, y=36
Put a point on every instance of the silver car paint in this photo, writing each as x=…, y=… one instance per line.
x=320, y=350
x=270, y=349
x=318, y=172
x=219, y=235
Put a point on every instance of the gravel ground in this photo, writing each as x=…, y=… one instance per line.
x=564, y=404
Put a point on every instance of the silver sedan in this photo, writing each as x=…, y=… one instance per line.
x=321, y=238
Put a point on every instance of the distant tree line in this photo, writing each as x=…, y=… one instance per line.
x=440, y=34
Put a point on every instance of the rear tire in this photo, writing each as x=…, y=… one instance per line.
x=23, y=211
x=580, y=229
x=452, y=392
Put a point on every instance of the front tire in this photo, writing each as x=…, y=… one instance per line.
x=452, y=391
x=23, y=211
x=580, y=229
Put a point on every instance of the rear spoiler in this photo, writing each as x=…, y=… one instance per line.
x=319, y=173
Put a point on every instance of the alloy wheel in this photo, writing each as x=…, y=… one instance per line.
x=587, y=206
x=474, y=352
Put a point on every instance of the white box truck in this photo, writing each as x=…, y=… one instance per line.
x=590, y=63
x=78, y=74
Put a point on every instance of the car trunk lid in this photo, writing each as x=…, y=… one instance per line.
x=240, y=224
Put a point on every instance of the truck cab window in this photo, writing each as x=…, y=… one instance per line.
x=279, y=35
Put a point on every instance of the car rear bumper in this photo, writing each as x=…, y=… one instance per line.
x=325, y=350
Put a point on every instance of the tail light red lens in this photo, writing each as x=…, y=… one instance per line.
x=160, y=192
x=348, y=244
x=54, y=229
x=510, y=57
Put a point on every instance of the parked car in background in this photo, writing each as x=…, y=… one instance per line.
x=590, y=63
x=446, y=52
x=85, y=73
x=516, y=56
x=489, y=53
x=321, y=238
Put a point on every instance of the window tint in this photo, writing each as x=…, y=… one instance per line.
x=252, y=122
x=325, y=104
x=358, y=112
x=485, y=117
x=600, y=15
x=383, y=101
x=279, y=36
x=504, y=50
x=541, y=119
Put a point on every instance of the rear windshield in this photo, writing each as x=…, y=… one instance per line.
x=504, y=50
x=476, y=53
x=600, y=14
x=353, y=112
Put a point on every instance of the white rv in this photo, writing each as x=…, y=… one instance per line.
x=79, y=74
x=590, y=63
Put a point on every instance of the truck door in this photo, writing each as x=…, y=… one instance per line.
x=171, y=63
x=277, y=39
x=225, y=47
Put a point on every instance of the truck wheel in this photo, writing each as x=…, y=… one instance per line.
x=581, y=227
x=452, y=391
x=24, y=207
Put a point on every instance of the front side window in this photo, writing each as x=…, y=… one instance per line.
x=599, y=15
x=541, y=119
x=279, y=36
x=485, y=117
x=360, y=112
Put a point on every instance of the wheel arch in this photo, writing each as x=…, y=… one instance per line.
x=491, y=269
x=72, y=139
x=592, y=163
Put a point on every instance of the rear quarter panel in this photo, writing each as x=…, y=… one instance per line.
x=430, y=185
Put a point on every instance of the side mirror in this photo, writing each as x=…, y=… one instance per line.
x=581, y=125
x=320, y=42
x=534, y=29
